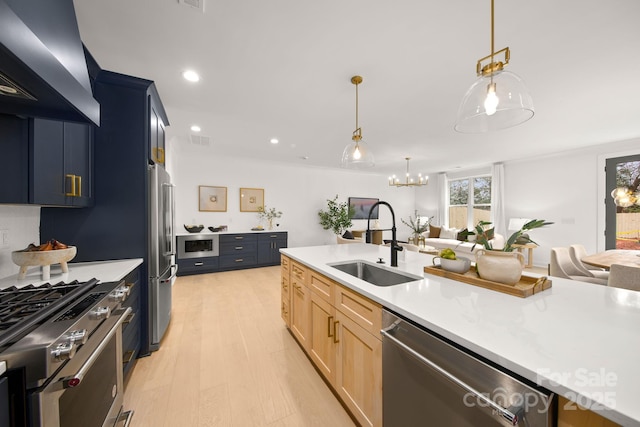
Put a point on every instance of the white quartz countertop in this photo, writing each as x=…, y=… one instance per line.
x=579, y=340
x=104, y=271
x=206, y=231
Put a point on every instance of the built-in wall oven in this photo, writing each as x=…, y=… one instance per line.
x=430, y=381
x=198, y=245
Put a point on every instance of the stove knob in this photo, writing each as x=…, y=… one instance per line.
x=63, y=351
x=118, y=295
x=79, y=336
x=100, y=313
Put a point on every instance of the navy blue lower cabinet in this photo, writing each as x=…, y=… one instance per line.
x=238, y=251
x=131, y=337
x=269, y=245
x=188, y=266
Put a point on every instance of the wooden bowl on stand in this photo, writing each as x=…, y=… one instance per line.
x=44, y=259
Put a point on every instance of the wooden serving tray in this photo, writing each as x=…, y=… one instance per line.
x=526, y=287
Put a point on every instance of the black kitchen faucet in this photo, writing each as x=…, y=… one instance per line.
x=394, y=242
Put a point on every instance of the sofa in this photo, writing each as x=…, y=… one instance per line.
x=443, y=237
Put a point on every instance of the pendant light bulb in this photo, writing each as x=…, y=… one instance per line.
x=356, y=153
x=492, y=100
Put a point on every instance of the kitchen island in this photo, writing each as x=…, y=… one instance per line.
x=576, y=339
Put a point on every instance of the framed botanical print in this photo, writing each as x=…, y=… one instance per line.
x=251, y=199
x=212, y=199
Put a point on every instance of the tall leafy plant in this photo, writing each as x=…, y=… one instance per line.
x=337, y=216
x=484, y=234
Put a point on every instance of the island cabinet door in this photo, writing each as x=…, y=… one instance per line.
x=285, y=289
x=359, y=371
x=300, y=304
x=322, y=336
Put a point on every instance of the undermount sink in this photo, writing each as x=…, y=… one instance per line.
x=374, y=274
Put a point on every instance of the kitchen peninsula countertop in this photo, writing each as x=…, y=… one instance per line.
x=104, y=271
x=576, y=339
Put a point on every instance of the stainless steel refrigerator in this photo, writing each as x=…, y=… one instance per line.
x=162, y=266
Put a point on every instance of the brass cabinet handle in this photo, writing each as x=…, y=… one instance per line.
x=329, y=319
x=238, y=248
x=239, y=260
x=239, y=237
x=79, y=187
x=72, y=193
x=335, y=331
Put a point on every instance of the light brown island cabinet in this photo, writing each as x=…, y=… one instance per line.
x=285, y=288
x=343, y=341
x=572, y=415
x=300, y=304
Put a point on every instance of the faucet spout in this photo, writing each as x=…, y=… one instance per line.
x=394, y=241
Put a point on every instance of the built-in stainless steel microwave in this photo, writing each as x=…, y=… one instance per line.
x=198, y=246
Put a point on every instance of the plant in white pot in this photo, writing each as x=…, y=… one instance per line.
x=336, y=217
x=269, y=214
x=502, y=265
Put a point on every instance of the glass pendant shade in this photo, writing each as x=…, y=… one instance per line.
x=494, y=103
x=357, y=155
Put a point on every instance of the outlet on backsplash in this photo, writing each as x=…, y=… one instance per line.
x=4, y=238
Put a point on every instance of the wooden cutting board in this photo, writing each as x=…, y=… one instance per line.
x=526, y=287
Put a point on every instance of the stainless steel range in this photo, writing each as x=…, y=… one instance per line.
x=62, y=346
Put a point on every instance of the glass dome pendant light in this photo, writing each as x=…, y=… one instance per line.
x=356, y=154
x=498, y=99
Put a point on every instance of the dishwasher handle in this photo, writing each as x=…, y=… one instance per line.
x=512, y=415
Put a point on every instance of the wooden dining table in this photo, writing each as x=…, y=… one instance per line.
x=613, y=256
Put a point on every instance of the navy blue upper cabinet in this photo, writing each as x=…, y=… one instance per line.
x=50, y=162
x=156, y=131
x=61, y=163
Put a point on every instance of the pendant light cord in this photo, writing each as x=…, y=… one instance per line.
x=356, y=107
x=492, y=42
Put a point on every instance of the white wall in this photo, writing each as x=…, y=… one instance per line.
x=23, y=226
x=298, y=191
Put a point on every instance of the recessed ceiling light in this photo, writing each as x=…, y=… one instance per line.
x=274, y=140
x=195, y=128
x=191, y=76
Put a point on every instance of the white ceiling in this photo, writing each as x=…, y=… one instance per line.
x=282, y=68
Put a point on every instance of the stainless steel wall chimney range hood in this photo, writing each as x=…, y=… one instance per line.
x=43, y=69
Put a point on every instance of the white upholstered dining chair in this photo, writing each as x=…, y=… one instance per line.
x=624, y=276
x=577, y=252
x=561, y=265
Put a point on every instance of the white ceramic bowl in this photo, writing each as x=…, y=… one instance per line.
x=459, y=265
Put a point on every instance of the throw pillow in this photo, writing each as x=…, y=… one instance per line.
x=434, y=231
x=448, y=233
x=490, y=233
x=347, y=235
x=463, y=235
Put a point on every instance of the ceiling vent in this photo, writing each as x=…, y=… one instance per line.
x=196, y=4
x=200, y=140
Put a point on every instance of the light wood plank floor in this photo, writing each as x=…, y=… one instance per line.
x=228, y=360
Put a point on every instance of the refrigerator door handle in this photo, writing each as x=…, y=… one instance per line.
x=173, y=270
x=169, y=225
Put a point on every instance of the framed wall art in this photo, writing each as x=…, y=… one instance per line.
x=212, y=199
x=251, y=199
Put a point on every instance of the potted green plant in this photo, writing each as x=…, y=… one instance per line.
x=269, y=214
x=484, y=234
x=418, y=225
x=502, y=265
x=337, y=216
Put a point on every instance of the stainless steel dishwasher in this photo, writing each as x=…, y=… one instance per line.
x=428, y=381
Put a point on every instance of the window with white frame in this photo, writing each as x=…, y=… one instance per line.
x=469, y=201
